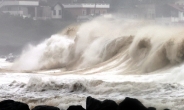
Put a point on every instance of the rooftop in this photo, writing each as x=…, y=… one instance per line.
x=24, y=3
x=86, y=5
x=178, y=7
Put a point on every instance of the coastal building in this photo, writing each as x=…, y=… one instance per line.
x=79, y=11
x=50, y=10
x=22, y=8
x=45, y=9
x=179, y=2
x=170, y=13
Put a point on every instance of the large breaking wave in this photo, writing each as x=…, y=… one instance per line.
x=127, y=46
x=101, y=47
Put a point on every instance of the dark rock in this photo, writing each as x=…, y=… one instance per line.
x=12, y=105
x=151, y=108
x=6, y=103
x=131, y=104
x=94, y=104
x=76, y=107
x=108, y=105
x=44, y=107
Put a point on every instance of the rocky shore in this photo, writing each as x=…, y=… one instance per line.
x=91, y=104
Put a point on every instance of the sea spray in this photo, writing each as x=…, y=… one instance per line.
x=137, y=45
x=102, y=49
x=51, y=53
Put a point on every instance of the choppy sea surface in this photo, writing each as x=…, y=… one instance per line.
x=102, y=58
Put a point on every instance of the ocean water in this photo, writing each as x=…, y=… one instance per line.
x=102, y=58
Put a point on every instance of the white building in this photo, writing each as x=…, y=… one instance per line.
x=179, y=2
x=170, y=14
x=52, y=9
x=22, y=8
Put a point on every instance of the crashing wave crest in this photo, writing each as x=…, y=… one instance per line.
x=105, y=44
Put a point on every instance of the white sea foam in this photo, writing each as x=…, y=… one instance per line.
x=106, y=59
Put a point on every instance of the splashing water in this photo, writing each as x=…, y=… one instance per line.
x=136, y=46
x=104, y=58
